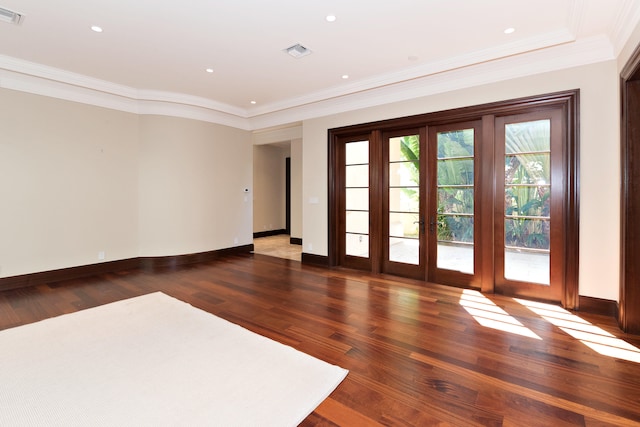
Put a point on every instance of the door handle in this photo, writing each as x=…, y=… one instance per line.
x=432, y=225
x=421, y=222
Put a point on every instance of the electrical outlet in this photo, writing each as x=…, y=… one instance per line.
x=101, y=255
x=235, y=241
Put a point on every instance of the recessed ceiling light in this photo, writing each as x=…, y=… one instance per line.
x=331, y=18
x=345, y=76
x=96, y=28
x=209, y=70
x=253, y=102
x=412, y=58
x=509, y=30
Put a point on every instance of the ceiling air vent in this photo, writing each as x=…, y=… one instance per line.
x=10, y=16
x=298, y=51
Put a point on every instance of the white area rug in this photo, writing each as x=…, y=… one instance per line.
x=154, y=361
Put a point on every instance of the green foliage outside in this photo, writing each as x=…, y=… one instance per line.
x=455, y=185
x=527, y=179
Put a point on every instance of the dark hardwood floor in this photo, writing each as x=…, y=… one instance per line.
x=417, y=355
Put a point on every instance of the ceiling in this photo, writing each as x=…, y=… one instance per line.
x=158, y=50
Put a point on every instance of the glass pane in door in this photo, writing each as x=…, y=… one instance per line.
x=527, y=201
x=404, y=199
x=456, y=192
x=357, y=199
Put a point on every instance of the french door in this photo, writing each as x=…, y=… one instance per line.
x=409, y=202
x=486, y=201
x=355, y=179
x=403, y=194
x=454, y=163
x=529, y=205
x=381, y=189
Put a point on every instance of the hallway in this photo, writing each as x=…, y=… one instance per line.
x=277, y=246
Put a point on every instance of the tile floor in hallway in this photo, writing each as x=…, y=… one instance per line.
x=277, y=246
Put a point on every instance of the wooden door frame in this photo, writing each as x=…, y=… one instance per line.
x=557, y=175
x=337, y=203
x=391, y=267
x=629, y=306
x=454, y=277
x=287, y=193
x=568, y=101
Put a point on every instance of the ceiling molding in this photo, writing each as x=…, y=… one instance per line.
x=54, y=89
x=177, y=106
x=576, y=16
x=277, y=134
x=430, y=68
x=584, y=52
x=462, y=72
x=52, y=74
x=624, y=25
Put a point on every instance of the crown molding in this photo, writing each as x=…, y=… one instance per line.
x=576, y=16
x=276, y=134
x=515, y=60
x=43, y=80
x=178, y=106
x=54, y=89
x=624, y=25
x=430, y=68
x=583, y=52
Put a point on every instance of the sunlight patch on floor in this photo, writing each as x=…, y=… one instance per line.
x=489, y=315
x=590, y=335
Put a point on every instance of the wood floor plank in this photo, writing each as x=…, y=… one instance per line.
x=417, y=355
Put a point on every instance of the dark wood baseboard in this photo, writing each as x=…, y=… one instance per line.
x=268, y=233
x=587, y=304
x=599, y=306
x=295, y=241
x=312, y=259
x=147, y=263
x=51, y=276
x=152, y=263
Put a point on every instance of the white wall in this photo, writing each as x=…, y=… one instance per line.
x=191, y=182
x=269, y=187
x=76, y=180
x=68, y=188
x=599, y=162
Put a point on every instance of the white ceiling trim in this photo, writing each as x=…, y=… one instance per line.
x=584, y=52
x=277, y=134
x=445, y=76
x=55, y=89
x=32, y=69
x=96, y=85
x=476, y=57
x=624, y=24
x=576, y=16
x=177, y=106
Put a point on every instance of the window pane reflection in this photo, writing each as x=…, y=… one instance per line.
x=527, y=198
x=357, y=198
x=456, y=193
